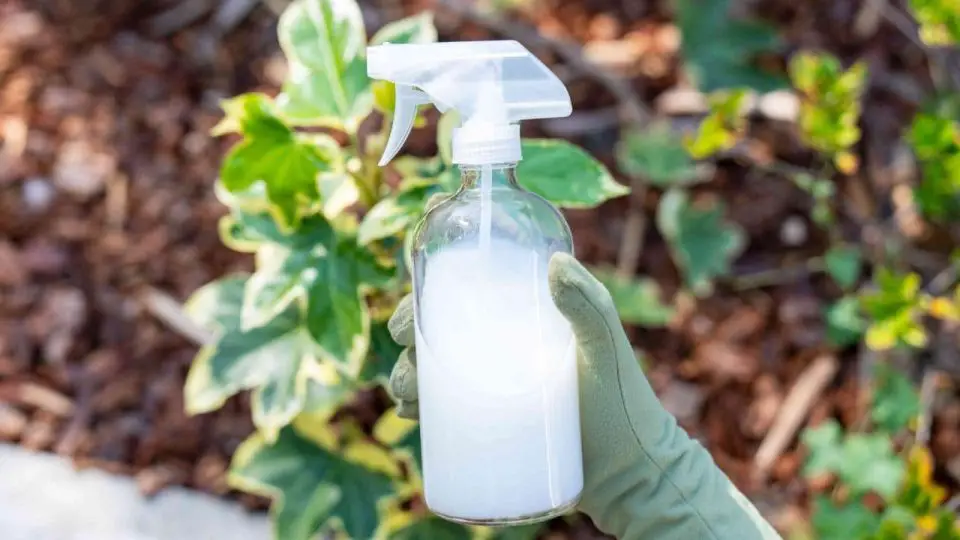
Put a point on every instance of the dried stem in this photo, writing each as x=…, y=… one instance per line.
x=928, y=390
x=634, y=230
x=171, y=313
x=777, y=276
x=796, y=406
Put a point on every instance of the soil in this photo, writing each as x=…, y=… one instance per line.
x=106, y=175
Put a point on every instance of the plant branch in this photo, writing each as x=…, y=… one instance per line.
x=942, y=281
x=928, y=390
x=777, y=276
x=366, y=183
x=908, y=28
x=178, y=17
x=171, y=313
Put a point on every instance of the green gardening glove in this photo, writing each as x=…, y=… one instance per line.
x=644, y=477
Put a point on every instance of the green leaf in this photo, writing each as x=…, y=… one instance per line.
x=864, y=462
x=251, y=114
x=869, y=464
x=392, y=215
x=565, y=174
x=319, y=269
x=216, y=305
x=416, y=29
x=896, y=522
x=309, y=485
x=325, y=44
x=637, y=300
x=384, y=352
x=845, y=325
x=338, y=192
x=935, y=138
x=658, y=156
x=895, y=401
x=287, y=163
x=895, y=310
x=843, y=265
x=432, y=528
x=269, y=359
x=719, y=52
x=824, y=448
x=702, y=243
x=939, y=21
x=849, y=522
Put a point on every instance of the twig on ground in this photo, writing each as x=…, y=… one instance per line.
x=178, y=17
x=231, y=13
x=928, y=390
x=942, y=281
x=868, y=18
x=276, y=6
x=938, y=60
x=804, y=393
x=572, y=54
x=903, y=24
x=35, y=395
x=170, y=312
x=776, y=276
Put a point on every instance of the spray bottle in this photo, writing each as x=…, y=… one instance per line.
x=496, y=361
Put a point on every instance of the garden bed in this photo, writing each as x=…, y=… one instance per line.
x=106, y=175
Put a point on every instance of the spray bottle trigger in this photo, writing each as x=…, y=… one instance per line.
x=404, y=114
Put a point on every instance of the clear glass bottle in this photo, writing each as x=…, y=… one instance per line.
x=496, y=361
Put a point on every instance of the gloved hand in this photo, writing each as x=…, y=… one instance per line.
x=644, y=477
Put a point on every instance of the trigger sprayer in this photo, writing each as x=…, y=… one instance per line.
x=499, y=416
x=492, y=85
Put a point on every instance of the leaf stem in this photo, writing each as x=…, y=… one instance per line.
x=368, y=178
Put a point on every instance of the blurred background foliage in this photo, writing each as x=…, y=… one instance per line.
x=769, y=189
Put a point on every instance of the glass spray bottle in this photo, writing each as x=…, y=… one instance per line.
x=496, y=361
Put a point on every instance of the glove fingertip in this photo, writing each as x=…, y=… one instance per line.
x=400, y=324
x=409, y=410
x=403, y=378
x=571, y=283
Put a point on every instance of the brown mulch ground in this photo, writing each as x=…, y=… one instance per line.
x=106, y=170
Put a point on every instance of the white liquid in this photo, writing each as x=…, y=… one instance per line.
x=496, y=366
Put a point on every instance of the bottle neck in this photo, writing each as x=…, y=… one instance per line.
x=498, y=174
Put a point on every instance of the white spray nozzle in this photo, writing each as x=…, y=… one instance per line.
x=491, y=84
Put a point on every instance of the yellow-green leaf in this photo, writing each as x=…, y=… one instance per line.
x=939, y=21
x=722, y=128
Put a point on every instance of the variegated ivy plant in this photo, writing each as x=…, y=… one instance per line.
x=305, y=332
